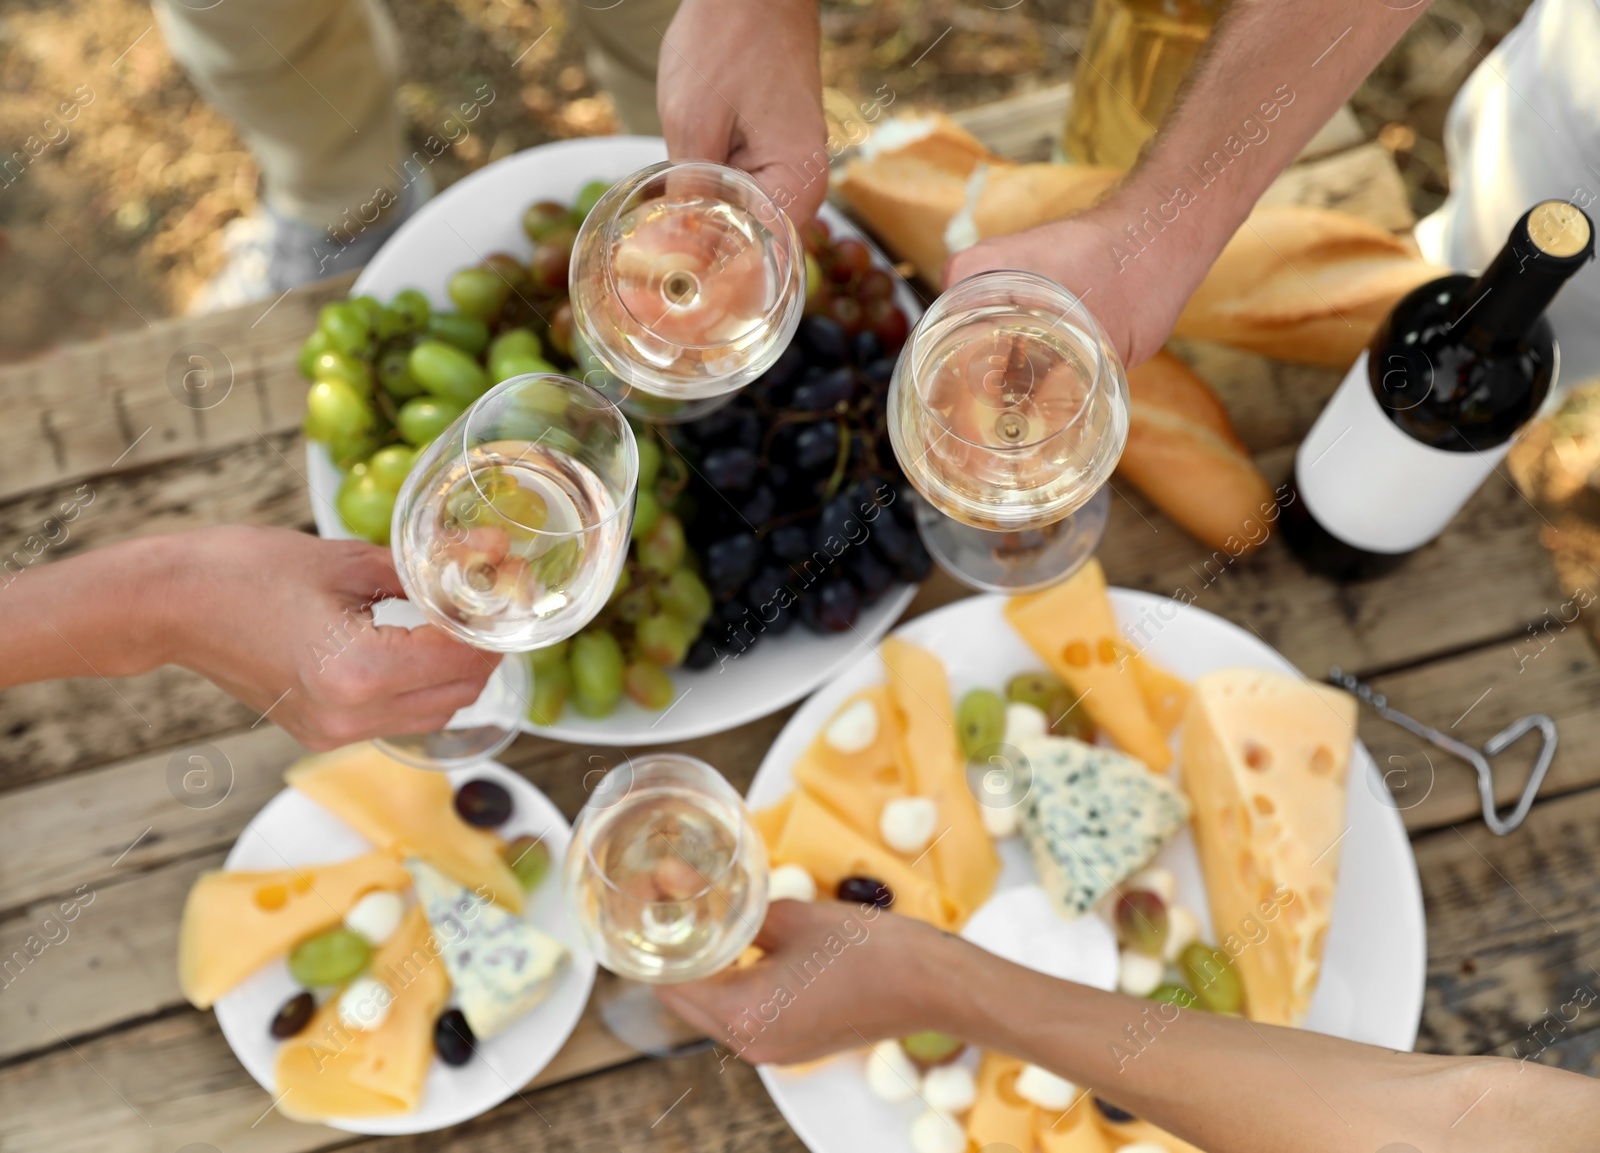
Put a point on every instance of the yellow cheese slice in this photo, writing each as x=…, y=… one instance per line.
x=769, y=822
x=233, y=923
x=1265, y=757
x=331, y=1071
x=932, y=765
x=1075, y=1131
x=999, y=1116
x=1072, y=628
x=1165, y=696
x=857, y=785
x=1139, y=1132
x=830, y=850
x=411, y=813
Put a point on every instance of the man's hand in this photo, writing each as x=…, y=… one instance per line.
x=740, y=82
x=282, y=621
x=835, y=976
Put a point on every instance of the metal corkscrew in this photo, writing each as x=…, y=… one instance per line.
x=1479, y=760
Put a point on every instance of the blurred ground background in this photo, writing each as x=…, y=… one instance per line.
x=121, y=222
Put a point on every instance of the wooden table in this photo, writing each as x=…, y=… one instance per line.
x=99, y=1052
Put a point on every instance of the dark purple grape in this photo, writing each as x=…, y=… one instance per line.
x=870, y=573
x=453, y=1038
x=759, y=506
x=817, y=446
x=822, y=394
x=767, y=588
x=736, y=627
x=730, y=469
x=892, y=540
x=1111, y=1113
x=917, y=565
x=824, y=340
x=783, y=370
x=731, y=561
x=865, y=347
x=483, y=804
x=838, y=605
x=880, y=370
x=702, y=654
x=293, y=1016
x=776, y=618
x=789, y=542
x=839, y=523
x=866, y=891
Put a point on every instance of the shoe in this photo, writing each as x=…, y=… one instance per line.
x=269, y=253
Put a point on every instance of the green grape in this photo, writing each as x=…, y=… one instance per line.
x=371, y=308
x=468, y=333
x=980, y=722
x=503, y=502
x=649, y=460
x=480, y=292
x=332, y=365
x=390, y=464
x=597, y=669
x=334, y=410
x=529, y=858
x=313, y=346
x=509, y=366
x=587, y=196
x=394, y=373
x=552, y=685
x=646, y=511
x=347, y=325
x=556, y=567
x=413, y=308
x=664, y=639
x=549, y=656
x=424, y=418
x=1213, y=978
x=661, y=549
x=686, y=596
x=1068, y=717
x=513, y=344
x=635, y=604
x=1172, y=993
x=542, y=218
x=329, y=958
x=816, y=287
x=365, y=505
x=349, y=451
x=649, y=685
x=1041, y=690
x=447, y=372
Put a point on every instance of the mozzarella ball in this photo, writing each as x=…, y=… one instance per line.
x=891, y=1076
x=1138, y=974
x=854, y=729
x=1025, y=723
x=949, y=1089
x=933, y=1132
x=1157, y=880
x=376, y=916
x=1183, y=929
x=790, y=883
x=907, y=823
x=1000, y=821
x=365, y=1004
x=1045, y=1089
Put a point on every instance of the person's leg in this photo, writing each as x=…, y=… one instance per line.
x=623, y=41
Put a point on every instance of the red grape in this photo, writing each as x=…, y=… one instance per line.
x=876, y=284
x=851, y=259
x=847, y=313
x=889, y=324
x=815, y=236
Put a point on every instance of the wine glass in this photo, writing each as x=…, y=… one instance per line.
x=687, y=282
x=668, y=878
x=1007, y=411
x=509, y=533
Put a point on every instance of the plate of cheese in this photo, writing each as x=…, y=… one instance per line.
x=1111, y=787
x=384, y=948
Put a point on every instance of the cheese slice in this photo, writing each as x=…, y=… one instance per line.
x=331, y=1071
x=1138, y=1132
x=501, y=966
x=857, y=785
x=1166, y=697
x=1265, y=759
x=929, y=754
x=820, y=842
x=1077, y=1130
x=1072, y=628
x=1093, y=817
x=999, y=1117
x=410, y=812
x=234, y=923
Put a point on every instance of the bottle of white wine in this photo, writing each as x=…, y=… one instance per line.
x=1451, y=376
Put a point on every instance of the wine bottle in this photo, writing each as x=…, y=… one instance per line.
x=1451, y=376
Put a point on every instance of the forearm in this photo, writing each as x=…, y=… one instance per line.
x=1225, y=1084
x=104, y=613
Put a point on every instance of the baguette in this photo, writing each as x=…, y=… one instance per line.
x=1183, y=454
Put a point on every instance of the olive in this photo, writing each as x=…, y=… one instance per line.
x=293, y=1016
x=453, y=1038
x=1111, y=1113
x=483, y=804
x=865, y=891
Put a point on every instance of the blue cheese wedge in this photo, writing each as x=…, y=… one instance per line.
x=1093, y=818
x=500, y=965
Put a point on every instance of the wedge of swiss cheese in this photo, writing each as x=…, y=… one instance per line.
x=1265, y=759
x=1072, y=628
x=411, y=813
x=999, y=1117
x=330, y=1071
x=234, y=923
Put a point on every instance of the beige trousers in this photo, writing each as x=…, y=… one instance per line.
x=311, y=85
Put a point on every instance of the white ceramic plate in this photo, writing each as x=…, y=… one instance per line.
x=292, y=829
x=483, y=214
x=1375, y=964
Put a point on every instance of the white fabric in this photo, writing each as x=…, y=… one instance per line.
x=1525, y=127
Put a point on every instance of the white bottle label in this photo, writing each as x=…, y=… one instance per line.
x=1371, y=485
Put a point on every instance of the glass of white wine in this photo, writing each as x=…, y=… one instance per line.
x=668, y=877
x=509, y=533
x=687, y=282
x=1008, y=411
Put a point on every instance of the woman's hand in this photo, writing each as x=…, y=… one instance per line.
x=835, y=976
x=740, y=82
